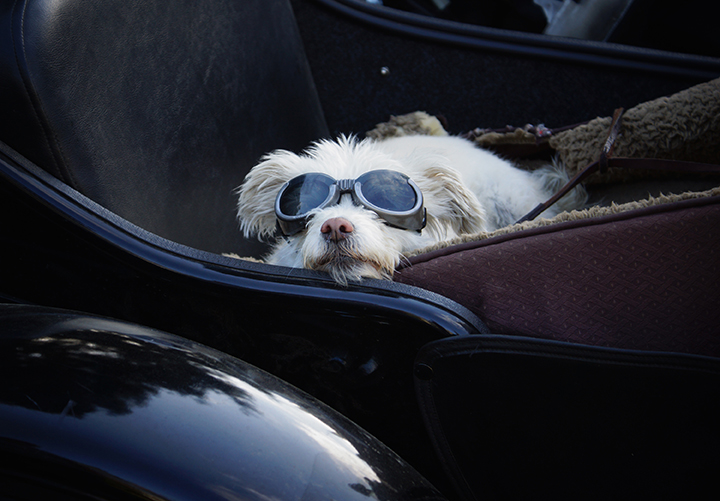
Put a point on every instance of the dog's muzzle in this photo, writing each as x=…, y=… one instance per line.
x=390, y=194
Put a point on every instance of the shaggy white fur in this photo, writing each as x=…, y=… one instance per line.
x=466, y=190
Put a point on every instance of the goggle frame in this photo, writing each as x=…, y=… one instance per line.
x=413, y=219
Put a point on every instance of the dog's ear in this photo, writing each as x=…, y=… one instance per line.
x=256, y=196
x=451, y=206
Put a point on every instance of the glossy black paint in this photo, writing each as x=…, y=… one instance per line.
x=351, y=347
x=91, y=406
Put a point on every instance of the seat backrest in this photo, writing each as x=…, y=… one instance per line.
x=156, y=109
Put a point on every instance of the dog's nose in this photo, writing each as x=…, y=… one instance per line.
x=336, y=229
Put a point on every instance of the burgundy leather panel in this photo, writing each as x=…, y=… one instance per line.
x=647, y=279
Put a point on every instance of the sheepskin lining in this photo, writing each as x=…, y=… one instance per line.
x=684, y=126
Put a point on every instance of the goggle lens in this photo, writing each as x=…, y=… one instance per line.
x=305, y=193
x=388, y=190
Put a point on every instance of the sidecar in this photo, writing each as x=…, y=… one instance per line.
x=571, y=359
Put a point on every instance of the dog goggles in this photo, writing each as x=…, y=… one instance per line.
x=391, y=195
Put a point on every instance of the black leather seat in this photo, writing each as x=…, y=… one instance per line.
x=156, y=109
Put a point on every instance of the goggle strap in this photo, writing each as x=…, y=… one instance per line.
x=279, y=231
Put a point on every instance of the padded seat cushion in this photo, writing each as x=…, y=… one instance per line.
x=644, y=279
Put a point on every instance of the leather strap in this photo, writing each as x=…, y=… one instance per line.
x=609, y=146
x=606, y=160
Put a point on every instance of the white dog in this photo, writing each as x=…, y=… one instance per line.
x=363, y=224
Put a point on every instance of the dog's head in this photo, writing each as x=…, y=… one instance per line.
x=345, y=237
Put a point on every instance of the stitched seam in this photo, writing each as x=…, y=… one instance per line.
x=37, y=108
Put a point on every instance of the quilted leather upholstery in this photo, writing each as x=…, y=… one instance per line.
x=156, y=109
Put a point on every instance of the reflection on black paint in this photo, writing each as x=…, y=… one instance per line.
x=137, y=403
x=84, y=365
